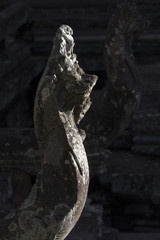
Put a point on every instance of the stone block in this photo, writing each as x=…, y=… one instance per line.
x=139, y=236
x=132, y=184
x=109, y=234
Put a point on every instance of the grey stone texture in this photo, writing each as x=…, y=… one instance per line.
x=128, y=179
x=56, y=201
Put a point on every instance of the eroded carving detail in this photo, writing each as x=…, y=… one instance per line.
x=115, y=110
x=122, y=94
x=58, y=197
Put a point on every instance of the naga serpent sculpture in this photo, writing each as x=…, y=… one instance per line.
x=115, y=109
x=57, y=199
x=123, y=90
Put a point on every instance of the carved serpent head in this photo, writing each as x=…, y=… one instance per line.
x=71, y=86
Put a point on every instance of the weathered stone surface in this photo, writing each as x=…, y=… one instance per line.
x=6, y=189
x=122, y=93
x=89, y=22
x=110, y=234
x=56, y=201
x=146, y=132
x=130, y=184
x=19, y=150
x=98, y=156
x=139, y=236
x=150, y=74
x=139, y=209
x=124, y=141
x=132, y=194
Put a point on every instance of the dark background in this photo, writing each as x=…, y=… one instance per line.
x=127, y=186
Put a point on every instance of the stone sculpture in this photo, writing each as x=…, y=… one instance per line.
x=122, y=91
x=56, y=201
x=58, y=197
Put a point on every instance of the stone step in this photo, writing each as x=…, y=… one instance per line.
x=109, y=234
x=139, y=236
x=146, y=6
x=147, y=149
